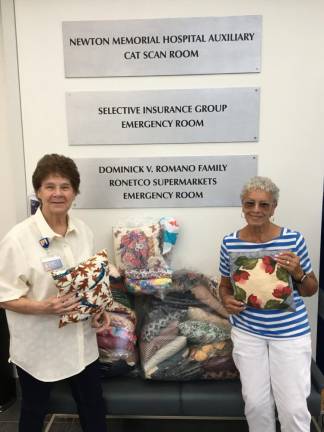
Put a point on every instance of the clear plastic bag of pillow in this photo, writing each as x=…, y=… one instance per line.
x=186, y=335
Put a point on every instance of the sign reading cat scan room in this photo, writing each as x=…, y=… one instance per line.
x=170, y=46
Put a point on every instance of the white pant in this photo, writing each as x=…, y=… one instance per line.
x=274, y=371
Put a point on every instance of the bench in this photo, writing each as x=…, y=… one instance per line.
x=128, y=397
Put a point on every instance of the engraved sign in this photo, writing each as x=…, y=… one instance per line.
x=171, y=46
x=163, y=116
x=203, y=181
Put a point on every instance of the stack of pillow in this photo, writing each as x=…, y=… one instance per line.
x=98, y=285
x=142, y=252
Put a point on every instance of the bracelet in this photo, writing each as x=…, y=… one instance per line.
x=305, y=275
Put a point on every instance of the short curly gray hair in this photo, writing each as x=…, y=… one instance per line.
x=261, y=183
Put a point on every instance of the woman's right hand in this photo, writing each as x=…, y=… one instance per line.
x=61, y=305
x=232, y=305
x=52, y=305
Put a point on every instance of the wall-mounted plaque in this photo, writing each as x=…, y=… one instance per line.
x=172, y=46
x=203, y=181
x=163, y=116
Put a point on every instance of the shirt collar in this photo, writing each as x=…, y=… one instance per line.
x=46, y=231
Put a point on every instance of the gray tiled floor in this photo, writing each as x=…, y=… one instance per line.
x=9, y=423
x=147, y=425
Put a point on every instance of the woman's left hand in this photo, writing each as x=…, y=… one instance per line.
x=290, y=262
x=100, y=319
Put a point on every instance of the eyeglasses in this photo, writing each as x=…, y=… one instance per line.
x=263, y=205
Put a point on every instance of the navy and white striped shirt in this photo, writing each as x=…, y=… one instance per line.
x=270, y=324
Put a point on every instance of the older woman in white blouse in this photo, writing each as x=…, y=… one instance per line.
x=42, y=352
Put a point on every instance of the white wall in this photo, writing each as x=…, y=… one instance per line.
x=13, y=191
x=8, y=215
x=290, y=148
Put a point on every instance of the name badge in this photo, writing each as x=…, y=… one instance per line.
x=52, y=263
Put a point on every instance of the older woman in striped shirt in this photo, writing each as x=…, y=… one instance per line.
x=272, y=347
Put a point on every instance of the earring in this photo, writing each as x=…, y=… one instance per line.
x=242, y=215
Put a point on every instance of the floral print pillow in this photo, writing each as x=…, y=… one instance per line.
x=90, y=282
x=138, y=247
x=259, y=282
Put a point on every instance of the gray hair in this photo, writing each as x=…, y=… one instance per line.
x=261, y=183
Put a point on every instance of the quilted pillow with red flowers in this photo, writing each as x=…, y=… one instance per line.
x=90, y=282
x=259, y=282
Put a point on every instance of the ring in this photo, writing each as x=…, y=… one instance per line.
x=287, y=262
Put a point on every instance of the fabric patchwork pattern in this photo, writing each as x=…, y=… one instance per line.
x=90, y=282
x=199, y=314
x=153, y=328
x=198, y=332
x=148, y=349
x=178, y=368
x=165, y=352
x=170, y=230
x=117, y=339
x=157, y=286
x=186, y=335
x=136, y=247
x=204, y=295
x=215, y=349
